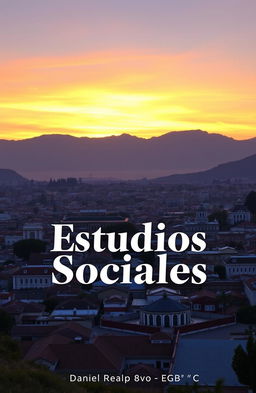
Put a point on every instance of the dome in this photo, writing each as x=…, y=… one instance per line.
x=166, y=305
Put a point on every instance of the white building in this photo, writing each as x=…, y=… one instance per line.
x=165, y=312
x=241, y=265
x=33, y=231
x=74, y=310
x=201, y=224
x=33, y=276
x=239, y=214
x=158, y=293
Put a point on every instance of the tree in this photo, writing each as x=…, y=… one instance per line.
x=247, y=315
x=221, y=271
x=9, y=349
x=50, y=304
x=221, y=216
x=224, y=300
x=6, y=322
x=250, y=203
x=23, y=248
x=244, y=363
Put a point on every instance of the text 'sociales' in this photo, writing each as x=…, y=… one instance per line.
x=67, y=242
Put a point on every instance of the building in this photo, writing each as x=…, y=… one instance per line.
x=201, y=224
x=205, y=301
x=166, y=313
x=209, y=359
x=238, y=214
x=241, y=265
x=115, y=305
x=33, y=231
x=76, y=310
x=33, y=276
x=92, y=222
x=104, y=354
x=250, y=290
x=24, y=312
x=157, y=293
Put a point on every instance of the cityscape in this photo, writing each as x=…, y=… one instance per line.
x=130, y=329
x=127, y=196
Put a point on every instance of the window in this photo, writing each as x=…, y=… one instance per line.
x=209, y=307
x=166, y=321
x=158, y=320
x=32, y=235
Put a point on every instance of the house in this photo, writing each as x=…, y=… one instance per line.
x=205, y=301
x=113, y=290
x=23, y=312
x=71, y=329
x=115, y=305
x=158, y=292
x=76, y=309
x=113, y=354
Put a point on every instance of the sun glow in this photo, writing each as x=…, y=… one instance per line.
x=110, y=93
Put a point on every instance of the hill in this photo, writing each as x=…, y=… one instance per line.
x=10, y=177
x=242, y=169
x=123, y=156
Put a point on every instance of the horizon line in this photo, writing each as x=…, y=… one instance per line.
x=127, y=134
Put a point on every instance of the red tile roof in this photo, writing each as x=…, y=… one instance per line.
x=105, y=353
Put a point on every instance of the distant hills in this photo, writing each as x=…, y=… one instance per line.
x=242, y=169
x=10, y=177
x=123, y=156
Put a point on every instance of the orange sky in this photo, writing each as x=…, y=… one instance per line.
x=143, y=91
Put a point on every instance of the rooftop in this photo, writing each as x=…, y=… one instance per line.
x=165, y=305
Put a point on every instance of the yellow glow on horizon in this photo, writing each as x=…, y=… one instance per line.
x=109, y=94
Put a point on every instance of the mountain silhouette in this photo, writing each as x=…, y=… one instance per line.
x=242, y=169
x=9, y=177
x=123, y=156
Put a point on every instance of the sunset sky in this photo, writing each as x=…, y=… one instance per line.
x=145, y=67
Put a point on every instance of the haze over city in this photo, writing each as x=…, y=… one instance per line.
x=144, y=68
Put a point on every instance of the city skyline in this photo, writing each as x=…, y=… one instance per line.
x=99, y=69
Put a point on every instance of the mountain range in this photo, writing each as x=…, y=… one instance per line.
x=242, y=169
x=124, y=156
